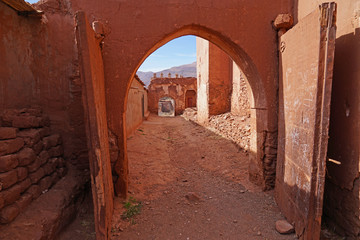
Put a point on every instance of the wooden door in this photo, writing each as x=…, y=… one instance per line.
x=306, y=67
x=93, y=90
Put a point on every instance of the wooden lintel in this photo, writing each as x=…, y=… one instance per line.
x=22, y=7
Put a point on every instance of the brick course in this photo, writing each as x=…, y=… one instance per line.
x=30, y=160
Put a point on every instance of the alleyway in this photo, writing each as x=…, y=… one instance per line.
x=193, y=185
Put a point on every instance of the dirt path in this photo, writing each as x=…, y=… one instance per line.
x=193, y=185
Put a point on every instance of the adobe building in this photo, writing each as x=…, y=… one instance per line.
x=75, y=61
x=137, y=105
x=169, y=96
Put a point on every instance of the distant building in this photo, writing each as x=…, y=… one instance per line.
x=170, y=96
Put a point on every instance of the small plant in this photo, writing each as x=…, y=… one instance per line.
x=132, y=208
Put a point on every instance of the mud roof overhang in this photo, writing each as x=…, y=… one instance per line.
x=23, y=8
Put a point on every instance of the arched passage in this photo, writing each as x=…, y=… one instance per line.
x=259, y=173
x=243, y=29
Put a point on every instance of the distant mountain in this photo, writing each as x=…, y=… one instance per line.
x=187, y=70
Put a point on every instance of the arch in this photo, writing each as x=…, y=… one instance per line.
x=259, y=173
x=238, y=55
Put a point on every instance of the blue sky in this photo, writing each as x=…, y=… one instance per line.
x=177, y=52
x=31, y=1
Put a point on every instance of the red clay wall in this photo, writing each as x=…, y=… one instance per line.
x=215, y=74
x=134, y=111
x=342, y=188
x=202, y=72
x=220, y=80
x=39, y=68
x=30, y=160
x=241, y=95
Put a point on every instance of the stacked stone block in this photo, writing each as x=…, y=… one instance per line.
x=30, y=160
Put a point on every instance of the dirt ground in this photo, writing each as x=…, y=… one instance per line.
x=192, y=184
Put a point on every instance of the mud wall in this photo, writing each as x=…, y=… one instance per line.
x=202, y=72
x=215, y=71
x=170, y=87
x=39, y=69
x=220, y=80
x=223, y=86
x=241, y=95
x=137, y=107
x=30, y=160
x=341, y=200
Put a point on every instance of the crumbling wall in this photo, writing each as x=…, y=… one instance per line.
x=136, y=108
x=342, y=189
x=215, y=71
x=38, y=68
x=170, y=87
x=241, y=93
x=30, y=160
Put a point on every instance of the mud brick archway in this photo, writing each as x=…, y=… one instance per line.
x=243, y=29
x=132, y=30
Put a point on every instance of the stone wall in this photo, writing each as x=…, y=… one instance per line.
x=30, y=160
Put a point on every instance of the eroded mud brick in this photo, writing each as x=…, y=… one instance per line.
x=56, y=151
x=22, y=173
x=8, y=179
x=10, y=146
x=45, y=183
x=8, y=162
x=26, y=156
x=2, y=201
x=51, y=141
x=61, y=172
x=44, y=157
x=24, y=201
x=45, y=121
x=34, y=190
x=61, y=163
x=7, y=117
x=24, y=185
x=35, y=165
x=37, y=112
x=12, y=194
x=283, y=21
x=30, y=136
x=55, y=177
x=38, y=147
x=9, y=213
x=45, y=131
x=36, y=176
x=54, y=162
x=7, y=133
x=26, y=121
x=49, y=168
